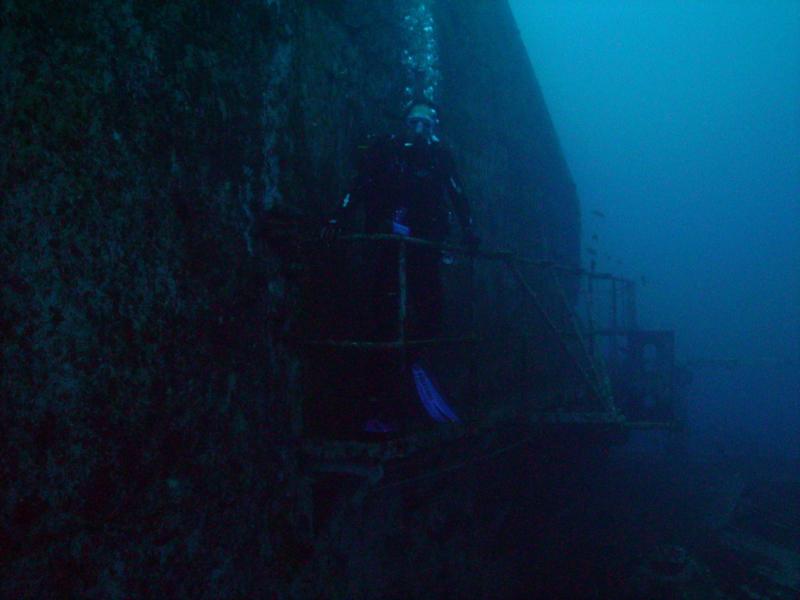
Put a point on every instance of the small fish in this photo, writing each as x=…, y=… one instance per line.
x=598, y=213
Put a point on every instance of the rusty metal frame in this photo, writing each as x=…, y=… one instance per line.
x=592, y=375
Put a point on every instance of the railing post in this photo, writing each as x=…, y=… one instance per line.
x=473, y=312
x=632, y=317
x=523, y=370
x=614, y=323
x=589, y=309
x=402, y=303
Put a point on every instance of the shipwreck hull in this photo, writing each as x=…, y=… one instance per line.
x=472, y=519
x=168, y=163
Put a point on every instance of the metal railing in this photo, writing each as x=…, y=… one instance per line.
x=572, y=341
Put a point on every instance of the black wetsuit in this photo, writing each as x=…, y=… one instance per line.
x=415, y=184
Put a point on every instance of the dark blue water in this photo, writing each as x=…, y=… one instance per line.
x=747, y=409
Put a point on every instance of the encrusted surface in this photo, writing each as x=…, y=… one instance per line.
x=147, y=378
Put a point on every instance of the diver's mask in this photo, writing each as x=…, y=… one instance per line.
x=420, y=123
x=420, y=128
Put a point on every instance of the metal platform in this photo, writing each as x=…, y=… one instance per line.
x=595, y=397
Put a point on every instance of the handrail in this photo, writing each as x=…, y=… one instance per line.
x=593, y=382
x=583, y=355
x=591, y=376
x=394, y=345
x=500, y=255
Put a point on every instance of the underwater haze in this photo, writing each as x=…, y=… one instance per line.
x=227, y=371
x=681, y=124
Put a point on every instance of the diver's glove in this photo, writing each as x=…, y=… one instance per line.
x=471, y=241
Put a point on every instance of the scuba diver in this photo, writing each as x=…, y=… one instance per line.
x=407, y=185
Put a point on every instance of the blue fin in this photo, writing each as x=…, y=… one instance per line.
x=432, y=399
x=425, y=396
x=440, y=402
